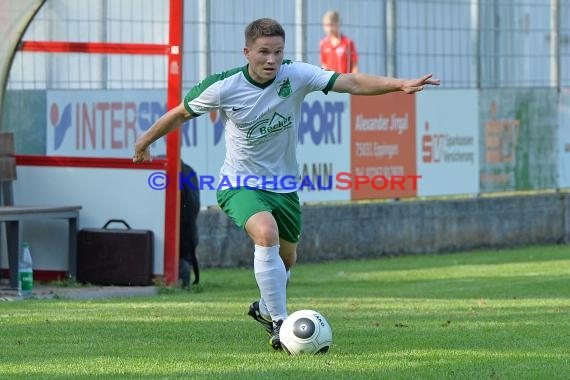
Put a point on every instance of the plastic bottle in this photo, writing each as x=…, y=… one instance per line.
x=26, y=271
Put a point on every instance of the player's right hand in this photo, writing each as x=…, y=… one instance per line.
x=141, y=155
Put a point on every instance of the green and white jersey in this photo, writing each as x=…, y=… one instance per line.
x=261, y=120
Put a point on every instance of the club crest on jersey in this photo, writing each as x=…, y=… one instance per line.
x=284, y=88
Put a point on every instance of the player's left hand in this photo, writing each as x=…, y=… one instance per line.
x=411, y=86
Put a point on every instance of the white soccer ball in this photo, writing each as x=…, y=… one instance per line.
x=305, y=332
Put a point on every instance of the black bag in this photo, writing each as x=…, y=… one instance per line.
x=108, y=256
x=189, y=209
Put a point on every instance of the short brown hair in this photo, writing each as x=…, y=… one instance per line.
x=263, y=27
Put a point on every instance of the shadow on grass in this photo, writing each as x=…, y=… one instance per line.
x=387, y=262
x=503, y=287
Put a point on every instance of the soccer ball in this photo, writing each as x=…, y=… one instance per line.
x=305, y=332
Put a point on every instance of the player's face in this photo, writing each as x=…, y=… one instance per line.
x=265, y=56
x=331, y=27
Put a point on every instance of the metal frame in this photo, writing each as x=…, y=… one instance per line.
x=173, y=51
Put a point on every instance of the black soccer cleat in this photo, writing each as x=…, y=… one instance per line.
x=274, y=340
x=255, y=314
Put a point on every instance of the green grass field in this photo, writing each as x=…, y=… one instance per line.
x=478, y=315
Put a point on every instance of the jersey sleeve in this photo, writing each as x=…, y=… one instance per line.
x=316, y=78
x=323, y=56
x=204, y=97
x=353, y=53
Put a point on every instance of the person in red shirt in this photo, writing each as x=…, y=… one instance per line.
x=338, y=52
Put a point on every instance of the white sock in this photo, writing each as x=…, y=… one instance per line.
x=271, y=278
x=263, y=307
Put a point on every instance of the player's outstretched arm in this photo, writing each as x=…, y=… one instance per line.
x=166, y=123
x=365, y=84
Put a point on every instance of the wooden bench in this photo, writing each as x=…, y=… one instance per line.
x=12, y=215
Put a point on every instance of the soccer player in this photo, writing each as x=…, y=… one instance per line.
x=260, y=104
x=338, y=52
